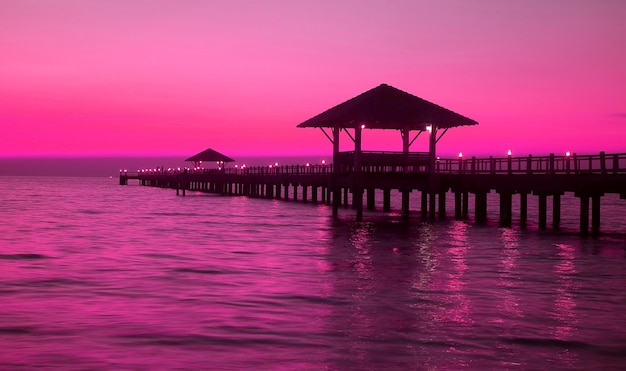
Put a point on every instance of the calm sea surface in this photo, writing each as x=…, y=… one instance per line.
x=94, y=275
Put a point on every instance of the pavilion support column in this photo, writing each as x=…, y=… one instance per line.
x=523, y=208
x=405, y=204
x=336, y=191
x=386, y=200
x=406, y=132
x=357, y=178
x=432, y=150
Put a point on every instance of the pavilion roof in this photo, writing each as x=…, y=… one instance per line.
x=386, y=107
x=210, y=155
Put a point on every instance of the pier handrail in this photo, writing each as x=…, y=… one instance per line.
x=567, y=164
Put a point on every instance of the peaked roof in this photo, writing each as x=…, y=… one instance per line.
x=386, y=107
x=210, y=155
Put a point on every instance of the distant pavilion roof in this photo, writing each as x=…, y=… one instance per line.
x=386, y=107
x=209, y=155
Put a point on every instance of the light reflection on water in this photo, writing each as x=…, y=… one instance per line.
x=94, y=275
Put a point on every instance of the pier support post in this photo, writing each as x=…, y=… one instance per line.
x=295, y=192
x=332, y=196
x=543, y=210
x=480, y=208
x=305, y=191
x=432, y=205
x=465, y=204
x=336, y=199
x=595, y=214
x=584, y=214
x=506, y=207
x=458, y=207
x=286, y=191
x=357, y=200
x=442, y=205
x=424, y=206
x=523, y=208
x=405, y=204
x=314, y=190
x=346, y=197
x=386, y=200
x=556, y=211
x=371, y=198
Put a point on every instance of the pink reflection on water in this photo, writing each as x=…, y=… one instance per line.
x=457, y=308
x=565, y=303
x=509, y=304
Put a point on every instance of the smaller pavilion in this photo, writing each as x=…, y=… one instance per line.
x=209, y=155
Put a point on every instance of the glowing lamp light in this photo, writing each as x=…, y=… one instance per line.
x=460, y=154
x=568, y=153
x=270, y=166
x=429, y=128
x=323, y=162
x=509, y=153
x=307, y=164
x=363, y=126
x=276, y=164
x=236, y=166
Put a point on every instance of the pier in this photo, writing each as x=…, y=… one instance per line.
x=358, y=174
x=588, y=177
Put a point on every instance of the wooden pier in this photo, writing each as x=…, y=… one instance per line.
x=357, y=174
x=588, y=177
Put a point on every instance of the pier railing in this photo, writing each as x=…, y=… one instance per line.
x=568, y=164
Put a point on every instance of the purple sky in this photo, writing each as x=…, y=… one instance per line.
x=159, y=77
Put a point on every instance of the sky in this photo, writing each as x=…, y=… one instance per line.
x=158, y=77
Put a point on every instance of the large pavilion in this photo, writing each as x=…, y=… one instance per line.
x=387, y=108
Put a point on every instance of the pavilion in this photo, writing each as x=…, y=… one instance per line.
x=209, y=155
x=387, y=108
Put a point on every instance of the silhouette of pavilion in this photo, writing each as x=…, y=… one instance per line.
x=386, y=107
x=209, y=155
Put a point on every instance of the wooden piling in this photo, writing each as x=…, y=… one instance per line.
x=386, y=200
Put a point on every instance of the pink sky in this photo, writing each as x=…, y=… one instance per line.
x=159, y=77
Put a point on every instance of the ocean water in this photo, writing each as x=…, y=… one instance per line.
x=94, y=275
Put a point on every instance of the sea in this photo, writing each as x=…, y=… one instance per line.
x=98, y=276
